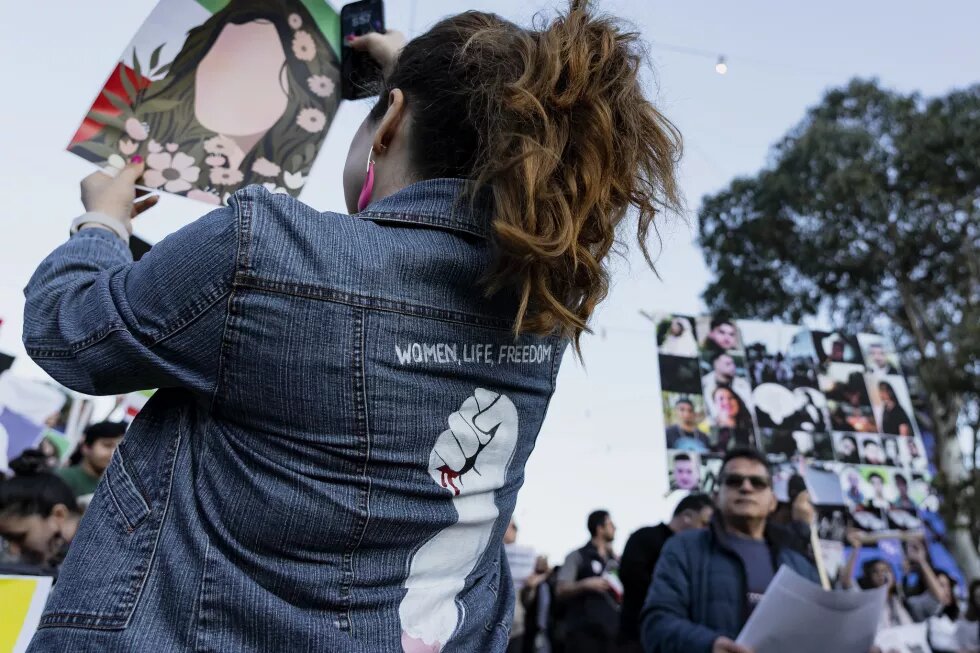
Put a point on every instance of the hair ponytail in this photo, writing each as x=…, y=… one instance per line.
x=555, y=122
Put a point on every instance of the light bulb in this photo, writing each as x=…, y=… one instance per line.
x=721, y=67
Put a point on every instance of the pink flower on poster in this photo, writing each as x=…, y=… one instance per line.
x=175, y=173
x=303, y=46
x=226, y=176
x=204, y=196
x=321, y=85
x=293, y=180
x=127, y=147
x=295, y=21
x=312, y=120
x=272, y=188
x=266, y=168
x=135, y=129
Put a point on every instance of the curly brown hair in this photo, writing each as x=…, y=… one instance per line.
x=555, y=122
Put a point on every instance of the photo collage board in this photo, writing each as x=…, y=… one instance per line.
x=830, y=406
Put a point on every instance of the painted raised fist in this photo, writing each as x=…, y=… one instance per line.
x=481, y=437
x=470, y=460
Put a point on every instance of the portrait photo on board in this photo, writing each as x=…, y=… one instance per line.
x=718, y=333
x=872, y=453
x=732, y=427
x=218, y=95
x=846, y=448
x=675, y=336
x=880, y=357
x=685, y=470
x=912, y=453
x=679, y=374
x=847, y=396
x=724, y=368
x=836, y=347
x=687, y=422
x=774, y=355
x=892, y=405
x=779, y=444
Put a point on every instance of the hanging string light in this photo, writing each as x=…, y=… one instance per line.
x=722, y=66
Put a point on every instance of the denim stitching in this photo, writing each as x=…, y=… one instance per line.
x=244, y=225
x=373, y=303
x=132, y=593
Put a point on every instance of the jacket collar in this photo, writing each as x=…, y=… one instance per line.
x=774, y=537
x=442, y=203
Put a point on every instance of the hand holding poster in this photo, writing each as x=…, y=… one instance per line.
x=216, y=95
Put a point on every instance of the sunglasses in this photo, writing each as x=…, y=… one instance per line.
x=735, y=481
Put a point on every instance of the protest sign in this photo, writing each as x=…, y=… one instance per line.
x=27, y=407
x=216, y=95
x=832, y=407
x=23, y=599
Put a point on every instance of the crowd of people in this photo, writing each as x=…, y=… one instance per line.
x=42, y=503
x=688, y=584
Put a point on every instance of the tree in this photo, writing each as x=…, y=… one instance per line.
x=868, y=212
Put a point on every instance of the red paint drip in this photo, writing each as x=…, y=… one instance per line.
x=448, y=476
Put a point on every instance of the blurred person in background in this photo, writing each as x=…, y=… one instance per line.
x=39, y=515
x=92, y=457
x=587, y=585
x=707, y=582
x=968, y=625
x=521, y=560
x=640, y=557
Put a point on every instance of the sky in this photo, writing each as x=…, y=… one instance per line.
x=601, y=445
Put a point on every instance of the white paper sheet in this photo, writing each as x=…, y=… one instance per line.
x=799, y=616
x=913, y=638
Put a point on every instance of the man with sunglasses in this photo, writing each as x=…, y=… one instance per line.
x=707, y=582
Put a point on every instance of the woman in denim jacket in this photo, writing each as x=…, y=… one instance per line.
x=347, y=402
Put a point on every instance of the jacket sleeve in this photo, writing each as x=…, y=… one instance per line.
x=665, y=624
x=100, y=323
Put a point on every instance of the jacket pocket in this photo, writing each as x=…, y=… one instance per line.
x=110, y=557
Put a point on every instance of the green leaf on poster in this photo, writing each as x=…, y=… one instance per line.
x=137, y=69
x=155, y=57
x=127, y=84
x=106, y=119
x=100, y=150
x=162, y=70
x=118, y=102
x=158, y=106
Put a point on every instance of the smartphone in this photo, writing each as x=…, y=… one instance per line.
x=360, y=74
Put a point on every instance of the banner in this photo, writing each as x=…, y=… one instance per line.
x=29, y=411
x=216, y=95
x=832, y=407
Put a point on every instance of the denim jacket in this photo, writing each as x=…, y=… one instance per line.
x=335, y=449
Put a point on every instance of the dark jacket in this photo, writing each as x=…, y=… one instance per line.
x=699, y=587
